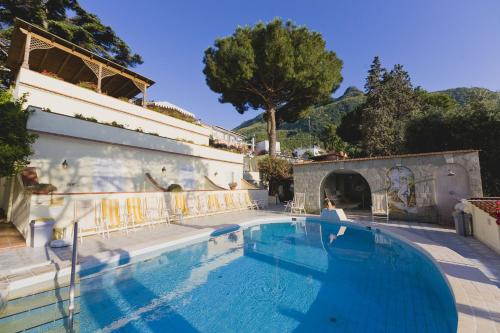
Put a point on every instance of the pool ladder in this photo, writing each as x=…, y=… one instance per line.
x=74, y=256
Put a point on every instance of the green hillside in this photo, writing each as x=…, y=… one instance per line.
x=461, y=95
x=293, y=135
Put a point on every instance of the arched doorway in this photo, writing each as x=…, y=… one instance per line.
x=348, y=189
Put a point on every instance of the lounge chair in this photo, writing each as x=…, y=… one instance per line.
x=134, y=212
x=112, y=216
x=251, y=204
x=297, y=205
x=152, y=206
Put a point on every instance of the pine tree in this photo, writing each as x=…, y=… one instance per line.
x=278, y=67
x=80, y=27
x=391, y=103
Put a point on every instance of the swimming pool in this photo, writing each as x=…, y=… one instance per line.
x=277, y=277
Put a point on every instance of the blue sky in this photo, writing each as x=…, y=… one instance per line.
x=442, y=43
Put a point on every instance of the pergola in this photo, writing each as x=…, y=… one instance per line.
x=39, y=50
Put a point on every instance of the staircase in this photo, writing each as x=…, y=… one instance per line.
x=43, y=312
x=10, y=237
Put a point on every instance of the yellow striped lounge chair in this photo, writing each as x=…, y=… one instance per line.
x=228, y=199
x=110, y=216
x=135, y=212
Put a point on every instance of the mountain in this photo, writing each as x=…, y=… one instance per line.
x=293, y=135
x=462, y=94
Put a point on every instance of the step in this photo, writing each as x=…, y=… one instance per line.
x=32, y=302
x=36, y=317
x=56, y=327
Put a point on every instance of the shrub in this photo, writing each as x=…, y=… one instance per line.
x=275, y=171
x=173, y=113
x=87, y=85
x=274, y=168
x=82, y=117
x=174, y=188
x=15, y=139
x=52, y=75
x=115, y=124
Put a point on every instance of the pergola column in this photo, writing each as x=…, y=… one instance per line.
x=144, y=100
x=99, y=78
x=27, y=49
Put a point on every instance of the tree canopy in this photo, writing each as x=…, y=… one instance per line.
x=15, y=140
x=68, y=20
x=278, y=67
x=391, y=101
x=397, y=118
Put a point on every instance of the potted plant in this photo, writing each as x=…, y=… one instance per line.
x=233, y=185
x=87, y=85
x=174, y=188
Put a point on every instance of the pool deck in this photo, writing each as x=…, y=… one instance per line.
x=472, y=269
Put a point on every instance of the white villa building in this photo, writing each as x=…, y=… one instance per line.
x=94, y=144
x=227, y=137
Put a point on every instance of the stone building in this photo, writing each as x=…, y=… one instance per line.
x=421, y=187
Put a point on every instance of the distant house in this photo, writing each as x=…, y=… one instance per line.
x=263, y=146
x=227, y=137
x=313, y=151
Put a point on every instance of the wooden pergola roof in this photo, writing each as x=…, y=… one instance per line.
x=72, y=63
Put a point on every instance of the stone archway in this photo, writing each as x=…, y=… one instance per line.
x=348, y=189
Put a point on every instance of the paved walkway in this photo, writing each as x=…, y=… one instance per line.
x=472, y=270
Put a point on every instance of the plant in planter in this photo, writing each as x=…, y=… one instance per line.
x=174, y=188
x=52, y=75
x=40, y=188
x=233, y=185
x=87, y=85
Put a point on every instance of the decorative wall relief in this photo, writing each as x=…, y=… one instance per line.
x=401, y=190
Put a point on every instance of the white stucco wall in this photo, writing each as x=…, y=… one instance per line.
x=484, y=227
x=69, y=99
x=105, y=158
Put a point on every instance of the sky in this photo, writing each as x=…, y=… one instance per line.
x=441, y=43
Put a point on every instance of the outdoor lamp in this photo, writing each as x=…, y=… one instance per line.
x=163, y=170
x=64, y=164
x=450, y=173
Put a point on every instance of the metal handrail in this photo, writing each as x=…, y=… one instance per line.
x=71, y=307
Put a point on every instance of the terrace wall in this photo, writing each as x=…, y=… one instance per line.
x=69, y=99
x=103, y=158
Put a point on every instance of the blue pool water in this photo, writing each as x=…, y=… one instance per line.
x=283, y=277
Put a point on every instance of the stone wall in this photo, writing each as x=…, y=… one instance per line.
x=429, y=170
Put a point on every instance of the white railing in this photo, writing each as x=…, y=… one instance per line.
x=104, y=212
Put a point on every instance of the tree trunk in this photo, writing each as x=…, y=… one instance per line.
x=271, y=130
